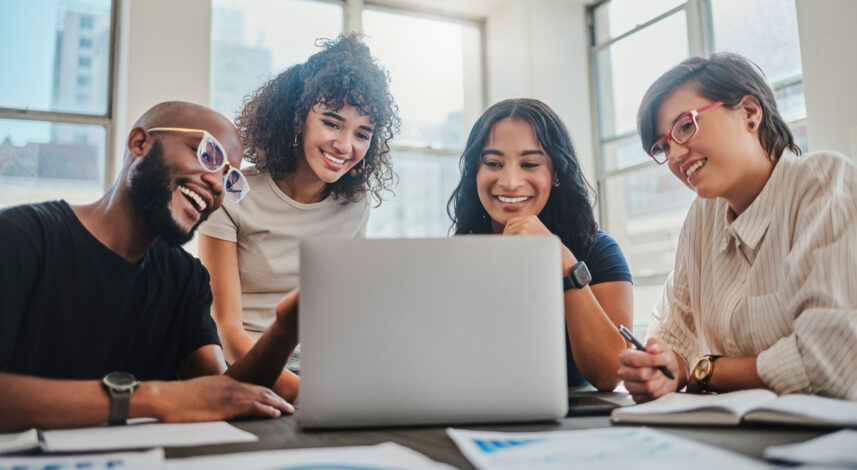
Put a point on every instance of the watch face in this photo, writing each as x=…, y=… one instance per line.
x=581, y=275
x=702, y=369
x=120, y=380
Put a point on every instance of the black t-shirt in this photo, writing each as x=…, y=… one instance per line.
x=606, y=263
x=72, y=308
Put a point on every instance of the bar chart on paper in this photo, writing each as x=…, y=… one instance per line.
x=152, y=459
x=638, y=448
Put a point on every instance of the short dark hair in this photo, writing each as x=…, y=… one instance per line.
x=344, y=72
x=568, y=211
x=725, y=77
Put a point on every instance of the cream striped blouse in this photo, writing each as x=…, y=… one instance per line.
x=780, y=280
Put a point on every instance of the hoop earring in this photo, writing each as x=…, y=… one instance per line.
x=295, y=144
x=358, y=171
x=555, y=181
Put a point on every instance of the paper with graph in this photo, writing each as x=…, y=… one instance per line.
x=607, y=448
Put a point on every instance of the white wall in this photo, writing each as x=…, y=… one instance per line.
x=164, y=54
x=828, y=35
x=538, y=49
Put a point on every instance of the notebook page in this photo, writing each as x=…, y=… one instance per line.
x=822, y=409
x=736, y=403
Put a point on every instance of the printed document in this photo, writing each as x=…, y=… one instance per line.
x=606, y=448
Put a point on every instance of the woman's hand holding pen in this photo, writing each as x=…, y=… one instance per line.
x=639, y=371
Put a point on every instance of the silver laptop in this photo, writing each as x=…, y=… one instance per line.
x=431, y=331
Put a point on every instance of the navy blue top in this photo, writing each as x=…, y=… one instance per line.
x=606, y=263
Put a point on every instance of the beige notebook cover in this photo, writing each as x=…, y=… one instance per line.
x=749, y=406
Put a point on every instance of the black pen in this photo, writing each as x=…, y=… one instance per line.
x=626, y=333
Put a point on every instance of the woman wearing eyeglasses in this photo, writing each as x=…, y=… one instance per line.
x=318, y=135
x=521, y=177
x=764, y=290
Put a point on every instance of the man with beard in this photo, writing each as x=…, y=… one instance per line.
x=95, y=297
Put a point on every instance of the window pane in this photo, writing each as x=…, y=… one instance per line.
x=619, y=16
x=435, y=75
x=41, y=161
x=54, y=36
x=766, y=32
x=624, y=153
x=424, y=56
x=763, y=30
x=622, y=77
x=252, y=40
x=426, y=181
x=645, y=212
x=791, y=102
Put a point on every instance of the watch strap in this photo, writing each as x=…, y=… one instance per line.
x=119, y=387
x=120, y=404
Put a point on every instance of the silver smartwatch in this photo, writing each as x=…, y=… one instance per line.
x=119, y=386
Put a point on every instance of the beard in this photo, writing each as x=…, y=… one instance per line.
x=151, y=191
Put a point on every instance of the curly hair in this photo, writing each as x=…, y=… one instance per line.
x=344, y=72
x=568, y=212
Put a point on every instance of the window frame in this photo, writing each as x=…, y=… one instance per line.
x=104, y=120
x=356, y=24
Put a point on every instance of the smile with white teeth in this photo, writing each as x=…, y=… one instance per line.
x=512, y=200
x=196, y=198
x=332, y=158
x=692, y=169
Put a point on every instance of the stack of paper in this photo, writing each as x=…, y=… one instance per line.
x=19, y=441
x=835, y=449
x=143, y=436
x=387, y=456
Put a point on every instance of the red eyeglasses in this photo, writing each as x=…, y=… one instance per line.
x=683, y=130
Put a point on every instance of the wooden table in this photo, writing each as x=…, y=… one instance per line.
x=285, y=433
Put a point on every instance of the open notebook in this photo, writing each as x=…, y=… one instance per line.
x=748, y=406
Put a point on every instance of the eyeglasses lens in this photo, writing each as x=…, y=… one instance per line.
x=236, y=186
x=659, y=151
x=684, y=129
x=212, y=157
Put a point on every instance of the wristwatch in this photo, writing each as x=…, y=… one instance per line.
x=120, y=386
x=578, y=278
x=703, y=371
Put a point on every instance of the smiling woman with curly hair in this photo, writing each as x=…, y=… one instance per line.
x=318, y=134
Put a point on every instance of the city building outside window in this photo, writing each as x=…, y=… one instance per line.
x=53, y=125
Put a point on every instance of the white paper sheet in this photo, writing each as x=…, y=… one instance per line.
x=19, y=441
x=149, y=460
x=831, y=449
x=386, y=456
x=607, y=448
x=142, y=436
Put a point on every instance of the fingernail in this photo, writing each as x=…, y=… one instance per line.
x=665, y=357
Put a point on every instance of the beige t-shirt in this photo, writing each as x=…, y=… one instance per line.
x=267, y=225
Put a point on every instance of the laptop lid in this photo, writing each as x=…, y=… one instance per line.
x=431, y=331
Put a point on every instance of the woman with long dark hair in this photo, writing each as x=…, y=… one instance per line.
x=520, y=176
